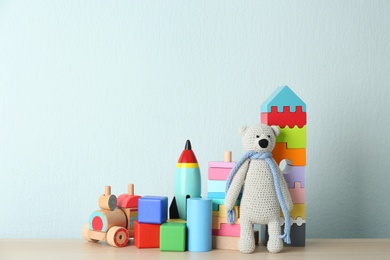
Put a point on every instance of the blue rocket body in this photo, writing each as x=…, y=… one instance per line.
x=187, y=180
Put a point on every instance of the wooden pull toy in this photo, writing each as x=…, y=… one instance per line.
x=115, y=221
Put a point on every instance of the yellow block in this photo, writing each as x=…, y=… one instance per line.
x=217, y=221
x=222, y=211
x=176, y=220
x=299, y=210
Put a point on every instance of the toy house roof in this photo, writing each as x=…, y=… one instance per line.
x=283, y=96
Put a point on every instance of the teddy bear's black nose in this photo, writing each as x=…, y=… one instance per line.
x=263, y=143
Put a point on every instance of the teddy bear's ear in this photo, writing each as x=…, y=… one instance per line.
x=243, y=129
x=275, y=129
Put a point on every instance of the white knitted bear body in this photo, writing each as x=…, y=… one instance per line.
x=259, y=199
x=259, y=202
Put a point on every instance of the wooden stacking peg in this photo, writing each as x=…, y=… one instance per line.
x=130, y=189
x=128, y=200
x=107, y=200
x=227, y=156
x=107, y=190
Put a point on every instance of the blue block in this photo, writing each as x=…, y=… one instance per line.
x=199, y=224
x=283, y=96
x=216, y=195
x=216, y=186
x=219, y=195
x=152, y=209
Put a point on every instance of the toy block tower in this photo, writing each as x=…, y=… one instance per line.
x=287, y=111
x=225, y=236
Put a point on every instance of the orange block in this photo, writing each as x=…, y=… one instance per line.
x=297, y=156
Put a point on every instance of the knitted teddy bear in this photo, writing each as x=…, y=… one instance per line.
x=264, y=190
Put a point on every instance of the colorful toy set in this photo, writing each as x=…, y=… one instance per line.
x=146, y=218
x=287, y=111
x=223, y=220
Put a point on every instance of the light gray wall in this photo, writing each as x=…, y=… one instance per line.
x=106, y=92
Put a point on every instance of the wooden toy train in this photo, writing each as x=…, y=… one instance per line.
x=114, y=223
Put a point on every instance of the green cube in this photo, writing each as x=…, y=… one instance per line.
x=173, y=236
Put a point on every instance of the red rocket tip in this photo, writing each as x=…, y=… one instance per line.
x=187, y=156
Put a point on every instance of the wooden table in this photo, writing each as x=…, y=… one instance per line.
x=330, y=249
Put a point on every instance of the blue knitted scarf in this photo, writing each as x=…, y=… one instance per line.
x=267, y=156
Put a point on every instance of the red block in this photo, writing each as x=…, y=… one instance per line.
x=146, y=235
x=285, y=118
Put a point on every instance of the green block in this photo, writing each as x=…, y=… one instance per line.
x=294, y=137
x=173, y=236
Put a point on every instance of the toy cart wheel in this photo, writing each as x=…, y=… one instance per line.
x=117, y=236
x=85, y=232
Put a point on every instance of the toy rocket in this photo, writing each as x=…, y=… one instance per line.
x=187, y=182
